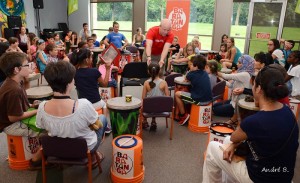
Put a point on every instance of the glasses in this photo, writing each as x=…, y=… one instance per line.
x=26, y=65
x=189, y=49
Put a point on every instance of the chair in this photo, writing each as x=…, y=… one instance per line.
x=134, y=74
x=218, y=90
x=68, y=151
x=159, y=106
x=170, y=81
x=134, y=52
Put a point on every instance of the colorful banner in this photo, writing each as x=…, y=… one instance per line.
x=178, y=11
x=72, y=6
x=297, y=9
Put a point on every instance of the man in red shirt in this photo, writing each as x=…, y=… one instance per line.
x=158, y=42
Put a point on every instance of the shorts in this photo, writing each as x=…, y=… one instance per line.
x=186, y=98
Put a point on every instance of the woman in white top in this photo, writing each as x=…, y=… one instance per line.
x=64, y=117
x=24, y=42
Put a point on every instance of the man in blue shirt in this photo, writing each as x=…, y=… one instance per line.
x=116, y=38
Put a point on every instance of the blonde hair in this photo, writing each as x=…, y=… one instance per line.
x=190, y=44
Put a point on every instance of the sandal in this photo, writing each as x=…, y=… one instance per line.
x=145, y=124
x=99, y=155
x=231, y=122
x=153, y=126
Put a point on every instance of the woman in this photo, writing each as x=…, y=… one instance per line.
x=24, y=42
x=64, y=117
x=241, y=79
x=224, y=38
x=232, y=56
x=138, y=38
x=272, y=132
x=274, y=50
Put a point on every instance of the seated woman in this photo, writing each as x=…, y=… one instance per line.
x=64, y=117
x=241, y=79
x=272, y=135
x=138, y=38
x=232, y=56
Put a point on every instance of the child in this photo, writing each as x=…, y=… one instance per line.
x=294, y=73
x=90, y=42
x=13, y=99
x=223, y=50
x=96, y=43
x=67, y=41
x=212, y=70
x=33, y=48
x=154, y=87
x=13, y=45
x=57, y=41
x=200, y=92
x=111, y=81
x=197, y=45
x=41, y=57
x=175, y=46
x=74, y=40
x=53, y=54
x=188, y=51
x=50, y=39
x=87, y=79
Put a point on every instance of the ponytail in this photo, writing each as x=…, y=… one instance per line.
x=153, y=70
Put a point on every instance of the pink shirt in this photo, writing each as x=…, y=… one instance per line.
x=102, y=70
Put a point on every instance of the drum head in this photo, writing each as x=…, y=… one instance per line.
x=126, y=142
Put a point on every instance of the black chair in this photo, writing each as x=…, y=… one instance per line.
x=218, y=90
x=67, y=151
x=170, y=81
x=134, y=74
x=159, y=106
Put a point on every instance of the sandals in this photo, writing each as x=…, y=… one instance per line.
x=99, y=155
x=153, y=126
x=145, y=124
x=231, y=122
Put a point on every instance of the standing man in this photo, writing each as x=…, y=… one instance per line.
x=84, y=33
x=116, y=38
x=158, y=42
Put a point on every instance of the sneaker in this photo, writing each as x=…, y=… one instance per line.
x=184, y=119
x=107, y=130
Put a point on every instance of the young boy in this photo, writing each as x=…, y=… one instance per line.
x=175, y=46
x=200, y=88
x=13, y=45
x=96, y=43
x=13, y=98
x=90, y=42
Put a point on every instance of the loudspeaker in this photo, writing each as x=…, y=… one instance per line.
x=38, y=4
x=63, y=26
x=14, y=22
x=8, y=33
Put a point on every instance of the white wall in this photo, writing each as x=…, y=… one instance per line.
x=30, y=17
x=82, y=15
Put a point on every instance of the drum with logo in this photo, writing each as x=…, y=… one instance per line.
x=295, y=106
x=218, y=132
x=106, y=93
x=124, y=116
x=181, y=84
x=127, y=165
x=200, y=118
x=21, y=150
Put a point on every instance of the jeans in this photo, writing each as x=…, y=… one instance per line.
x=100, y=132
x=223, y=109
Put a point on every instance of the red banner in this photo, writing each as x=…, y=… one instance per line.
x=178, y=11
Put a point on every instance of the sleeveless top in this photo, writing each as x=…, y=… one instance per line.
x=139, y=39
x=238, y=54
x=156, y=91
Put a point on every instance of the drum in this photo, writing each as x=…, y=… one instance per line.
x=180, y=67
x=226, y=71
x=96, y=52
x=125, y=59
x=106, y=93
x=124, y=115
x=295, y=106
x=21, y=150
x=34, y=76
x=39, y=93
x=127, y=165
x=180, y=85
x=211, y=54
x=246, y=108
x=73, y=47
x=218, y=132
x=203, y=52
x=200, y=118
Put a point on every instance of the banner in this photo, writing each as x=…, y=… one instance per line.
x=72, y=6
x=178, y=11
x=297, y=9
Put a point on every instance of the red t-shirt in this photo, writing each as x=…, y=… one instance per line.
x=158, y=40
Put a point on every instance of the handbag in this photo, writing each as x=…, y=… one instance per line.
x=96, y=126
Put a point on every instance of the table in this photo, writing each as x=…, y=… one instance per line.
x=39, y=93
x=246, y=108
x=181, y=84
x=180, y=67
x=124, y=115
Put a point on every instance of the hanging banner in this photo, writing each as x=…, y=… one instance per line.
x=178, y=11
x=297, y=9
x=72, y=6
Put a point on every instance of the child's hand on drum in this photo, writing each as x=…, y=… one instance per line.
x=238, y=91
x=36, y=104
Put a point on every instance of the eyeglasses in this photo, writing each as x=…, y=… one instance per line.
x=26, y=65
x=189, y=50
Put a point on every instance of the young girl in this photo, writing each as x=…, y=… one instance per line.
x=67, y=41
x=154, y=87
x=41, y=57
x=13, y=45
x=212, y=70
x=111, y=81
x=294, y=73
x=188, y=51
x=232, y=56
x=223, y=50
x=57, y=41
x=74, y=39
x=197, y=45
x=33, y=48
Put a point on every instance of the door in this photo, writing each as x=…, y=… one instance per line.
x=265, y=22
